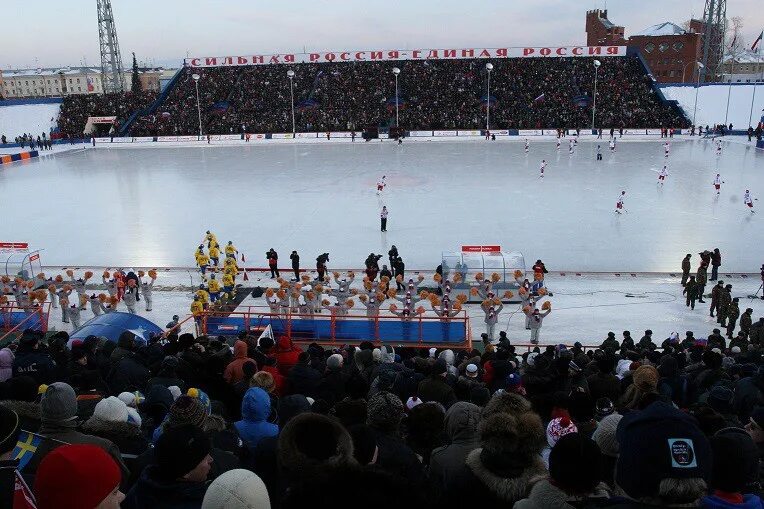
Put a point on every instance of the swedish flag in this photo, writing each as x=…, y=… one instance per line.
x=25, y=448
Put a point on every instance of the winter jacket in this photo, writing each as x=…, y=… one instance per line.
x=685, y=265
x=435, y=388
x=233, y=372
x=745, y=324
x=152, y=491
x=286, y=354
x=28, y=412
x=701, y=276
x=544, y=495
x=332, y=387
x=604, y=385
x=304, y=380
x=125, y=435
x=461, y=425
x=128, y=375
x=749, y=393
x=6, y=364
x=253, y=426
x=397, y=458
x=35, y=363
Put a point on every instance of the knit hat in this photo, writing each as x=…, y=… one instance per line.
x=175, y=391
x=10, y=424
x=75, y=477
x=385, y=410
x=179, y=450
x=111, y=409
x=602, y=408
x=334, y=361
x=645, y=378
x=720, y=398
x=513, y=380
x=59, y=403
x=575, y=464
x=736, y=461
x=202, y=398
x=471, y=370
x=264, y=380
x=558, y=428
x=311, y=442
x=657, y=443
x=186, y=410
x=132, y=399
x=604, y=435
x=237, y=489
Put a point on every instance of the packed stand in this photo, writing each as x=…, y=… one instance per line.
x=527, y=93
x=185, y=422
x=76, y=109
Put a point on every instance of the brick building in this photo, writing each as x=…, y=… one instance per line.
x=669, y=50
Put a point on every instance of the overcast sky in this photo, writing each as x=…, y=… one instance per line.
x=55, y=32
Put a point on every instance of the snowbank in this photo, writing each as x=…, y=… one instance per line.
x=712, y=103
x=27, y=118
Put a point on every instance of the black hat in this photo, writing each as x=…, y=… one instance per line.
x=439, y=367
x=575, y=464
x=179, y=450
x=736, y=461
x=10, y=425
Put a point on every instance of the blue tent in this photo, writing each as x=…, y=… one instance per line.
x=111, y=325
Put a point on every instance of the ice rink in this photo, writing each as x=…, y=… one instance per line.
x=150, y=207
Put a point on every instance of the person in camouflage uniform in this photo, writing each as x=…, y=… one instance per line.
x=701, y=278
x=691, y=291
x=725, y=298
x=733, y=312
x=716, y=291
x=686, y=269
x=746, y=320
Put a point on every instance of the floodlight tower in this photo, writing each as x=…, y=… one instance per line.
x=714, y=27
x=111, y=59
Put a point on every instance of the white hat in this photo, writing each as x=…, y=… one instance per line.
x=531, y=360
x=237, y=489
x=175, y=391
x=472, y=370
x=735, y=349
x=412, y=402
x=111, y=409
x=134, y=417
x=432, y=352
x=131, y=399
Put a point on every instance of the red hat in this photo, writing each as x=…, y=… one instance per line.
x=75, y=477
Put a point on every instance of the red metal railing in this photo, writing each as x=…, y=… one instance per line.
x=40, y=312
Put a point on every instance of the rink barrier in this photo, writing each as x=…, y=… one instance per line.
x=21, y=156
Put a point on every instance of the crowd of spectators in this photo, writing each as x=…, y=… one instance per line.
x=526, y=93
x=188, y=422
x=76, y=109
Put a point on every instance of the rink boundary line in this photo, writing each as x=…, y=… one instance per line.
x=560, y=273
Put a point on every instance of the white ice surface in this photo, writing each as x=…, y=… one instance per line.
x=34, y=119
x=150, y=207
x=712, y=103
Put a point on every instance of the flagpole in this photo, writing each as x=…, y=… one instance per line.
x=729, y=89
x=755, y=86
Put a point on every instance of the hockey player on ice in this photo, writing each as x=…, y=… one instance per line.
x=381, y=185
x=718, y=183
x=666, y=149
x=599, y=153
x=527, y=145
x=558, y=144
x=718, y=147
x=749, y=201
x=543, y=165
x=662, y=175
x=570, y=146
x=619, y=204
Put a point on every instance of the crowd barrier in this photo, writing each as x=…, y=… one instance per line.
x=21, y=156
x=14, y=319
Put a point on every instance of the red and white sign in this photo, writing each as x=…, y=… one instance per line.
x=15, y=246
x=481, y=249
x=415, y=54
x=102, y=120
x=34, y=257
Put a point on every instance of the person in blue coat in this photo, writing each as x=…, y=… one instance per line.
x=254, y=426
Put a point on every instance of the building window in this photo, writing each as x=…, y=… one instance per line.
x=663, y=47
x=678, y=46
x=649, y=47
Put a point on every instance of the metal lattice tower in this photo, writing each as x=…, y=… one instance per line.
x=715, y=21
x=111, y=59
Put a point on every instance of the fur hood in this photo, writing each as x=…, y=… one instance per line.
x=214, y=423
x=546, y=496
x=509, y=489
x=314, y=430
x=25, y=409
x=110, y=429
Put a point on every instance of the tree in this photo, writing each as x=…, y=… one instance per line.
x=136, y=86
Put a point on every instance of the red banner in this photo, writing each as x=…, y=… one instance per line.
x=14, y=245
x=34, y=257
x=481, y=249
x=415, y=54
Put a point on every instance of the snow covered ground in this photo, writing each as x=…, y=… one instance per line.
x=151, y=207
x=584, y=308
x=27, y=118
x=712, y=103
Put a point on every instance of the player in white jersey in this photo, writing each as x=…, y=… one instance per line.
x=381, y=184
x=570, y=147
x=527, y=145
x=558, y=143
x=748, y=200
x=662, y=175
x=718, y=147
x=541, y=168
x=666, y=149
x=612, y=144
x=718, y=183
x=619, y=203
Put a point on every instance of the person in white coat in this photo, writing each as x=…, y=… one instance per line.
x=491, y=316
x=129, y=298
x=536, y=320
x=147, y=289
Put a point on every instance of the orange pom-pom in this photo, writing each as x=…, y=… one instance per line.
x=473, y=291
x=495, y=277
x=18, y=281
x=391, y=293
x=351, y=274
x=399, y=278
x=546, y=305
x=102, y=297
x=153, y=274
x=141, y=273
x=106, y=274
x=319, y=288
x=518, y=273
x=336, y=275
x=437, y=277
x=64, y=301
x=279, y=280
x=67, y=288
x=295, y=294
x=424, y=294
x=305, y=278
x=41, y=275
x=42, y=296
x=457, y=306
x=297, y=286
x=380, y=296
x=363, y=298
x=542, y=291
x=5, y=279
x=70, y=273
x=479, y=276
x=269, y=292
x=83, y=300
x=349, y=303
x=311, y=295
x=457, y=277
x=52, y=288
x=113, y=300
x=508, y=294
x=523, y=291
x=88, y=274
x=131, y=283
x=367, y=285
x=59, y=279
x=496, y=302
x=461, y=298
x=325, y=302
x=3, y=299
x=354, y=292
x=281, y=294
x=283, y=284
x=393, y=307
x=526, y=309
x=30, y=284
x=420, y=310
x=385, y=279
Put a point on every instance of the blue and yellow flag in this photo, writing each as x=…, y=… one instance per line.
x=26, y=447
